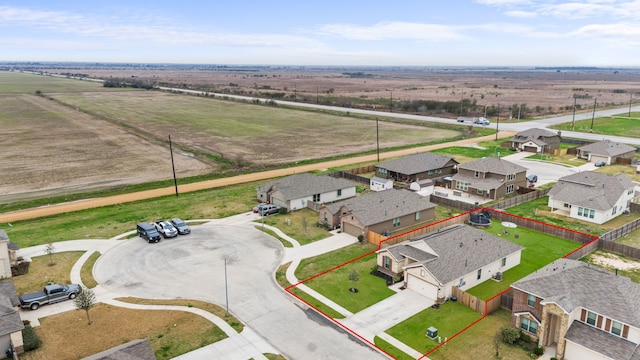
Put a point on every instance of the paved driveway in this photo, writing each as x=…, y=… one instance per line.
x=193, y=267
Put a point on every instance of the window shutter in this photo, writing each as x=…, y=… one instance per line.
x=625, y=331
x=599, y=322
x=607, y=325
x=583, y=317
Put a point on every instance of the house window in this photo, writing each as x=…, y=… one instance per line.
x=382, y=171
x=504, y=262
x=479, y=274
x=417, y=215
x=396, y=222
x=616, y=328
x=316, y=198
x=480, y=192
x=462, y=185
x=476, y=174
x=592, y=213
x=615, y=209
x=339, y=192
x=531, y=300
x=511, y=177
x=528, y=325
x=430, y=172
x=591, y=318
x=438, y=171
x=510, y=188
x=567, y=205
x=326, y=216
x=588, y=213
x=579, y=211
x=387, y=262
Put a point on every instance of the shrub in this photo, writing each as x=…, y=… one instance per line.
x=509, y=334
x=31, y=340
x=538, y=350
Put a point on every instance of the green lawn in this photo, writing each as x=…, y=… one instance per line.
x=391, y=350
x=336, y=284
x=449, y=319
x=109, y=221
x=539, y=250
x=618, y=125
x=301, y=225
x=22, y=83
x=321, y=263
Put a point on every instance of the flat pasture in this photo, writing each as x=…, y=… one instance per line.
x=247, y=133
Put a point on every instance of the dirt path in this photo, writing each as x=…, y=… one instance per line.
x=142, y=195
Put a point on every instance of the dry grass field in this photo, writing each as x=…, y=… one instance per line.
x=73, y=140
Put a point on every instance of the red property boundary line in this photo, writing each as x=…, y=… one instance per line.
x=288, y=289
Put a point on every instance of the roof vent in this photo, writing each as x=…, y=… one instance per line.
x=460, y=244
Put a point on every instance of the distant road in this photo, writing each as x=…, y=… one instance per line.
x=518, y=126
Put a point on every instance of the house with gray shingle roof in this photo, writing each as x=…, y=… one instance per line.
x=293, y=192
x=582, y=310
x=536, y=140
x=380, y=212
x=606, y=150
x=457, y=256
x=492, y=178
x=416, y=167
x=592, y=196
x=10, y=322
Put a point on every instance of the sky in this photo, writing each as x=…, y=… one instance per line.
x=604, y=33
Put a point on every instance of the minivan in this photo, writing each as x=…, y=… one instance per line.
x=269, y=209
x=148, y=232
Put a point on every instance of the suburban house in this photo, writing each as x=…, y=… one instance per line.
x=380, y=212
x=592, y=196
x=536, y=140
x=459, y=255
x=492, y=178
x=582, y=310
x=416, y=167
x=380, y=184
x=10, y=323
x=607, y=151
x=293, y=192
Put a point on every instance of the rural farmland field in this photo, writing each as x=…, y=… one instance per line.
x=90, y=137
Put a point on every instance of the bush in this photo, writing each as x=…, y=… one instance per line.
x=31, y=340
x=538, y=350
x=509, y=334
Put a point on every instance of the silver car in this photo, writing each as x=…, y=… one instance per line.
x=166, y=229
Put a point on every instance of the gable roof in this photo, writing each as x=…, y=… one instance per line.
x=574, y=284
x=376, y=207
x=455, y=251
x=607, y=147
x=302, y=185
x=602, y=342
x=534, y=134
x=133, y=350
x=417, y=163
x=493, y=165
x=591, y=189
x=10, y=321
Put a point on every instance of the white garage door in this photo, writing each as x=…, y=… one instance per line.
x=595, y=159
x=420, y=286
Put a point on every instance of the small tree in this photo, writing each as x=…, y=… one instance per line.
x=354, y=277
x=497, y=339
x=50, y=250
x=509, y=334
x=85, y=300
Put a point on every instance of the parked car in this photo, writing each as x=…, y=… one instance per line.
x=51, y=293
x=183, y=228
x=269, y=209
x=256, y=209
x=532, y=178
x=166, y=229
x=600, y=163
x=148, y=232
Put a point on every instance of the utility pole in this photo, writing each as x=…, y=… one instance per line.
x=226, y=288
x=593, y=114
x=497, y=121
x=175, y=181
x=630, y=98
x=391, y=102
x=377, y=139
x=519, y=110
x=573, y=122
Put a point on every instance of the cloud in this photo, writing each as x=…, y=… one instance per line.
x=618, y=35
x=393, y=30
x=520, y=14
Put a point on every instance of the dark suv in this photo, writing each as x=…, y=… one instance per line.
x=148, y=232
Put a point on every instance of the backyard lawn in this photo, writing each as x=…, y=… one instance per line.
x=539, y=250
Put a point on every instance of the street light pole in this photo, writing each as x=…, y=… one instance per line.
x=226, y=288
x=175, y=181
x=497, y=121
x=573, y=122
x=377, y=139
x=593, y=114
